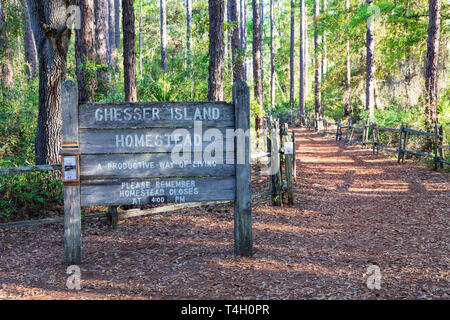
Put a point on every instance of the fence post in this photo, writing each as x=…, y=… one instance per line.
x=435, y=147
x=373, y=138
x=441, y=142
x=243, y=239
x=288, y=168
x=378, y=139
x=348, y=129
x=364, y=134
x=337, y=129
x=72, y=199
x=405, y=142
x=400, y=144
x=275, y=167
x=294, y=164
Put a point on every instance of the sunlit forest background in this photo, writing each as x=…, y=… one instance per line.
x=401, y=31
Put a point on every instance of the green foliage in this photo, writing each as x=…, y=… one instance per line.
x=29, y=193
x=18, y=115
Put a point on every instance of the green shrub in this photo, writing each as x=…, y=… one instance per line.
x=31, y=194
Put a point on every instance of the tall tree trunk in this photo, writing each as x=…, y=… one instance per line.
x=317, y=78
x=111, y=33
x=431, y=73
x=48, y=21
x=302, y=63
x=85, y=52
x=324, y=45
x=349, y=71
x=6, y=55
x=370, y=66
x=243, y=12
x=29, y=44
x=257, y=63
x=163, y=22
x=272, y=64
x=291, y=59
x=262, y=51
x=230, y=35
x=216, y=50
x=306, y=53
x=117, y=23
x=188, y=44
x=140, y=38
x=101, y=44
x=189, y=35
x=129, y=50
x=238, y=68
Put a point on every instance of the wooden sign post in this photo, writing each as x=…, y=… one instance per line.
x=142, y=152
x=69, y=150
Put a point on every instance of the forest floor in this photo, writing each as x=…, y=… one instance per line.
x=352, y=210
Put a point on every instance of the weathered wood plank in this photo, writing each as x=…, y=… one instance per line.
x=139, y=191
x=69, y=103
x=20, y=170
x=72, y=198
x=421, y=154
x=429, y=134
x=156, y=114
x=153, y=140
x=243, y=237
x=388, y=129
x=153, y=165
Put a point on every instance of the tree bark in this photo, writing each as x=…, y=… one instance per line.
x=243, y=15
x=370, y=67
x=6, y=55
x=238, y=68
x=189, y=34
x=272, y=65
x=349, y=72
x=317, y=76
x=129, y=50
x=163, y=35
x=230, y=35
x=117, y=23
x=48, y=21
x=101, y=44
x=291, y=59
x=140, y=38
x=262, y=50
x=85, y=51
x=431, y=73
x=28, y=42
x=302, y=63
x=324, y=45
x=216, y=50
x=111, y=32
x=257, y=63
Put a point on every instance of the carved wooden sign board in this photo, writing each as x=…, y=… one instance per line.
x=154, y=152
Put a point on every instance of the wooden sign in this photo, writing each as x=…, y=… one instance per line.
x=155, y=153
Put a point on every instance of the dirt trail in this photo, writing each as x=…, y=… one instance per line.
x=352, y=210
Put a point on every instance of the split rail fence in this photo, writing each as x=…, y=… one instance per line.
x=369, y=134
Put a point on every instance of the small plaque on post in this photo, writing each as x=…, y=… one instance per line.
x=70, y=169
x=289, y=147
